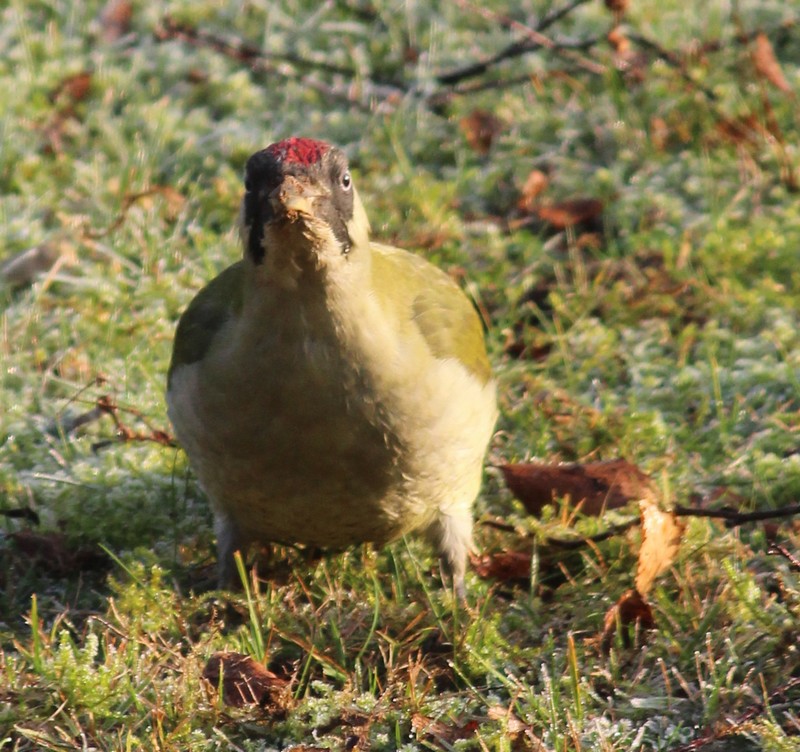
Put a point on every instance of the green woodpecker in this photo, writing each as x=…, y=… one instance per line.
x=329, y=390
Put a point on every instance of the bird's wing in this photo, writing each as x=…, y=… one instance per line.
x=443, y=314
x=209, y=310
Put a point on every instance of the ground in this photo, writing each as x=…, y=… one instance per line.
x=616, y=188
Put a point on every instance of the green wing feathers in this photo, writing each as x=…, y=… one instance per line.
x=408, y=286
x=441, y=311
x=212, y=306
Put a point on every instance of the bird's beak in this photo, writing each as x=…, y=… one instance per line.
x=292, y=199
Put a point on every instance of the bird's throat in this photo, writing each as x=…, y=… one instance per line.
x=294, y=255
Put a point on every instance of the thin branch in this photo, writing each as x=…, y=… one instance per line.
x=737, y=725
x=573, y=544
x=566, y=544
x=284, y=66
x=124, y=433
x=128, y=202
x=532, y=39
x=733, y=517
x=240, y=50
x=780, y=550
x=674, y=61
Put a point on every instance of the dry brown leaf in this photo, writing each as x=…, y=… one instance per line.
x=570, y=212
x=661, y=538
x=74, y=88
x=627, y=59
x=245, y=681
x=597, y=486
x=626, y=612
x=659, y=133
x=767, y=65
x=55, y=553
x=115, y=19
x=619, y=41
x=506, y=566
x=174, y=200
x=481, y=128
x=513, y=725
x=439, y=731
x=617, y=6
x=743, y=130
x=535, y=184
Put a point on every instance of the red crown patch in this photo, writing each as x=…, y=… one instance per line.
x=305, y=151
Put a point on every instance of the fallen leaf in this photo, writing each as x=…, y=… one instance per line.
x=74, y=88
x=115, y=19
x=197, y=76
x=174, y=201
x=55, y=553
x=513, y=725
x=535, y=184
x=571, y=212
x=245, y=681
x=659, y=133
x=661, y=538
x=506, y=566
x=439, y=731
x=481, y=128
x=767, y=65
x=738, y=131
x=411, y=54
x=627, y=59
x=353, y=726
x=628, y=612
x=596, y=486
x=617, y=6
x=619, y=41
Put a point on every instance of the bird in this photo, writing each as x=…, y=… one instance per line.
x=327, y=389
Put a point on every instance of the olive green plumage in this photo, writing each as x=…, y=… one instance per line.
x=216, y=303
x=329, y=390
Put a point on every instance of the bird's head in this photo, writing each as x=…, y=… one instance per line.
x=301, y=213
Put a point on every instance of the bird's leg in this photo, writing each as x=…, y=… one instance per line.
x=452, y=534
x=229, y=541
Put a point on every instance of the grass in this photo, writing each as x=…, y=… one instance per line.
x=668, y=336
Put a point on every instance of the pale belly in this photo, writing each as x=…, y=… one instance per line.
x=315, y=451
x=315, y=469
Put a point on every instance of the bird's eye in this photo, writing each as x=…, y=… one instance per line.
x=346, y=181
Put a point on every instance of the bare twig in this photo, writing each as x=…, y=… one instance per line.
x=127, y=202
x=794, y=561
x=283, y=65
x=567, y=544
x=532, y=39
x=21, y=513
x=573, y=544
x=739, y=724
x=240, y=50
x=106, y=405
x=124, y=433
x=495, y=84
x=673, y=60
x=733, y=517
